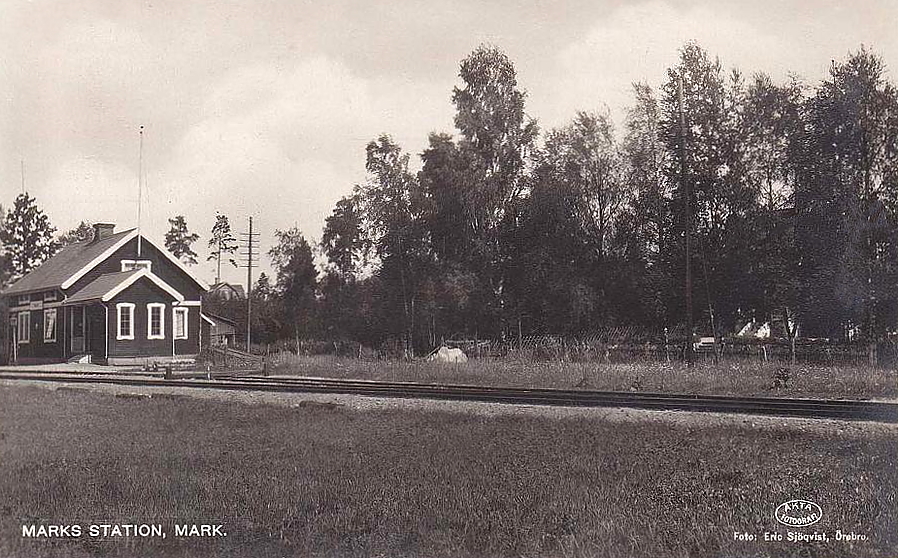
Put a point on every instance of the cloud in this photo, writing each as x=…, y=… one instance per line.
x=638, y=42
x=285, y=143
x=92, y=189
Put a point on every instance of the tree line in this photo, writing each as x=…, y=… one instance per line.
x=786, y=192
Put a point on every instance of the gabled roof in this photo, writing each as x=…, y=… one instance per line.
x=106, y=286
x=74, y=261
x=236, y=288
x=133, y=234
x=67, y=262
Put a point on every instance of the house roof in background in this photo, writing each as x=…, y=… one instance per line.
x=67, y=262
x=236, y=287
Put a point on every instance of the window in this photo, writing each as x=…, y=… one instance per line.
x=50, y=325
x=180, y=323
x=24, y=299
x=24, y=327
x=128, y=265
x=125, y=320
x=50, y=296
x=155, y=320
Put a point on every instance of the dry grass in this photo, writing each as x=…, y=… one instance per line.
x=325, y=481
x=745, y=378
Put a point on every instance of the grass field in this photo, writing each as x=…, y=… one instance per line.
x=317, y=480
x=740, y=378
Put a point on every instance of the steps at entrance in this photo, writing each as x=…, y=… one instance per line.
x=79, y=359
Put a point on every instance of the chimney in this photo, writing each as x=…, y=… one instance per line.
x=103, y=230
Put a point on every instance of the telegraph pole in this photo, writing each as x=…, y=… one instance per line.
x=250, y=260
x=686, y=187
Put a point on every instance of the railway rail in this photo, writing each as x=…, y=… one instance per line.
x=787, y=407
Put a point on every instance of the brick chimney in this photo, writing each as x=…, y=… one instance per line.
x=103, y=230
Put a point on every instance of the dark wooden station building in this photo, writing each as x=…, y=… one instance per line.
x=118, y=298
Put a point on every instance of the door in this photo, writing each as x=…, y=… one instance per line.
x=77, y=325
x=96, y=332
x=13, y=337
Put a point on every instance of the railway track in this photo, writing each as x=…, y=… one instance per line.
x=808, y=408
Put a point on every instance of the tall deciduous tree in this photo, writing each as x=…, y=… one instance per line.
x=706, y=154
x=496, y=135
x=584, y=157
x=222, y=243
x=342, y=240
x=446, y=190
x=179, y=240
x=648, y=230
x=27, y=236
x=559, y=257
x=297, y=279
x=497, y=138
x=392, y=207
x=773, y=127
x=847, y=199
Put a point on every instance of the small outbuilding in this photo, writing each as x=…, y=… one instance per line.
x=220, y=331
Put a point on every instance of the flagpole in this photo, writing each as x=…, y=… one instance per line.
x=139, y=187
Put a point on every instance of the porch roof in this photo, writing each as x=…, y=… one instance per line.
x=106, y=286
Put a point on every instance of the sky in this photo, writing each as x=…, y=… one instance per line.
x=263, y=108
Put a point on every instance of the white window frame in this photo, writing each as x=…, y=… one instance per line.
x=50, y=296
x=26, y=338
x=150, y=307
x=174, y=324
x=118, y=320
x=131, y=265
x=24, y=299
x=47, y=312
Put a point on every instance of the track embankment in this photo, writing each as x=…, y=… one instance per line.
x=771, y=406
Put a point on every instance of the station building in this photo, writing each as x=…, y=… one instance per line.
x=118, y=298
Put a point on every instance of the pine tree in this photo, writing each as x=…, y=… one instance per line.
x=83, y=232
x=222, y=243
x=178, y=240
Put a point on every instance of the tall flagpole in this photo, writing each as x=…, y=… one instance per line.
x=139, y=187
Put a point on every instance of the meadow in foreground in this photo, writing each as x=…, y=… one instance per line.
x=325, y=480
x=737, y=378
